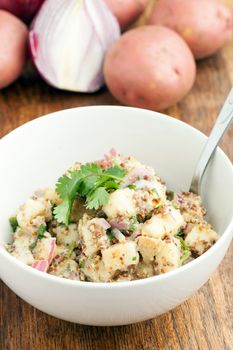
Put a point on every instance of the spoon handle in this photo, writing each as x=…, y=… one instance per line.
x=223, y=121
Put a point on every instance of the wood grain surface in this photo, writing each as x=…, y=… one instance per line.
x=203, y=322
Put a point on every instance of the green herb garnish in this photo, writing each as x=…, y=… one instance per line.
x=41, y=231
x=110, y=235
x=132, y=187
x=40, y=234
x=14, y=223
x=180, y=233
x=134, y=258
x=133, y=223
x=81, y=264
x=90, y=182
x=185, y=256
x=71, y=248
x=186, y=252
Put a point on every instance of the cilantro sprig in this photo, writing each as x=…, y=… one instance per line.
x=90, y=182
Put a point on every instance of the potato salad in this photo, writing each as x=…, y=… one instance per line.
x=108, y=221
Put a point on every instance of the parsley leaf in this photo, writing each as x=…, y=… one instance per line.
x=14, y=223
x=90, y=182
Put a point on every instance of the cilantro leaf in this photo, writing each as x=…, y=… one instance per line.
x=14, y=223
x=111, y=185
x=62, y=212
x=91, y=168
x=97, y=198
x=116, y=171
x=67, y=184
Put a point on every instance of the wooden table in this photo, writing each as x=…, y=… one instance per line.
x=203, y=322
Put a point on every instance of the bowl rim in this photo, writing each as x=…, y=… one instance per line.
x=123, y=284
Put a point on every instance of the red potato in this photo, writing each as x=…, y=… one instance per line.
x=13, y=47
x=150, y=67
x=205, y=25
x=126, y=11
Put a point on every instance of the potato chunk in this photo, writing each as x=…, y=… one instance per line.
x=201, y=238
x=68, y=268
x=33, y=208
x=149, y=247
x=21, y=250
x=67, y=234
x=121, y=202
x=120, y=256
x=93, y=234
x=43, y=249
x=164, y=223
x=95, y=270
x=168, y=258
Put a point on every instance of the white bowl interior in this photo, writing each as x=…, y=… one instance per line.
x=36, y=154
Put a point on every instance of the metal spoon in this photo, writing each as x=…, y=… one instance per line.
x=222, y=123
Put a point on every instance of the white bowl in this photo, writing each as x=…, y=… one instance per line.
x=36, y=154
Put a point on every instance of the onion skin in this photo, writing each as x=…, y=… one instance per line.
x=126, y=11
x=24, y=9
x=13, y=48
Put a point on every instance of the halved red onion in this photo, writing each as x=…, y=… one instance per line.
x=24, y=9
x=68, y=41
